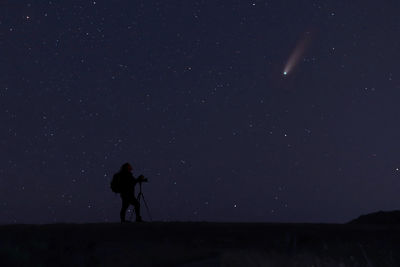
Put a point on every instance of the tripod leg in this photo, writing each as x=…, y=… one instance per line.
x=145, y=204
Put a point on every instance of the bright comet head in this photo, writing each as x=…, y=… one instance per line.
x=285, y=73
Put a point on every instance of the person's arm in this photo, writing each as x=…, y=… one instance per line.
x=132, y=181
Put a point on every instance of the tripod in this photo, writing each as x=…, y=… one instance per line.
x=141, y=197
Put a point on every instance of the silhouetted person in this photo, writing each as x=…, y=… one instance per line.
x=127, y=191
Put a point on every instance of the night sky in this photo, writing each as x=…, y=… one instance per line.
x=194, y=95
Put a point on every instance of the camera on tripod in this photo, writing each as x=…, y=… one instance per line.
x=142, y=179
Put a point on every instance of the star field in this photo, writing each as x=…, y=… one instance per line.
x=194, y=95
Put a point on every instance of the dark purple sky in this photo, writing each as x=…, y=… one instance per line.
x=192, y=93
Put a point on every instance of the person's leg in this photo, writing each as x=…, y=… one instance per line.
x=124, y=207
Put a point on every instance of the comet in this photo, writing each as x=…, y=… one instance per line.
x=297, y=53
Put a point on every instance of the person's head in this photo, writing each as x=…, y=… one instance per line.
x=126, y=167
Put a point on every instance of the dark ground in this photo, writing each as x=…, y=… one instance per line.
x=199, y=244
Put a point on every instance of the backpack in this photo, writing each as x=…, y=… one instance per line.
x=116, y=183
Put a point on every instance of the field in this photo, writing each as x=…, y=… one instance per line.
x=199, y=244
